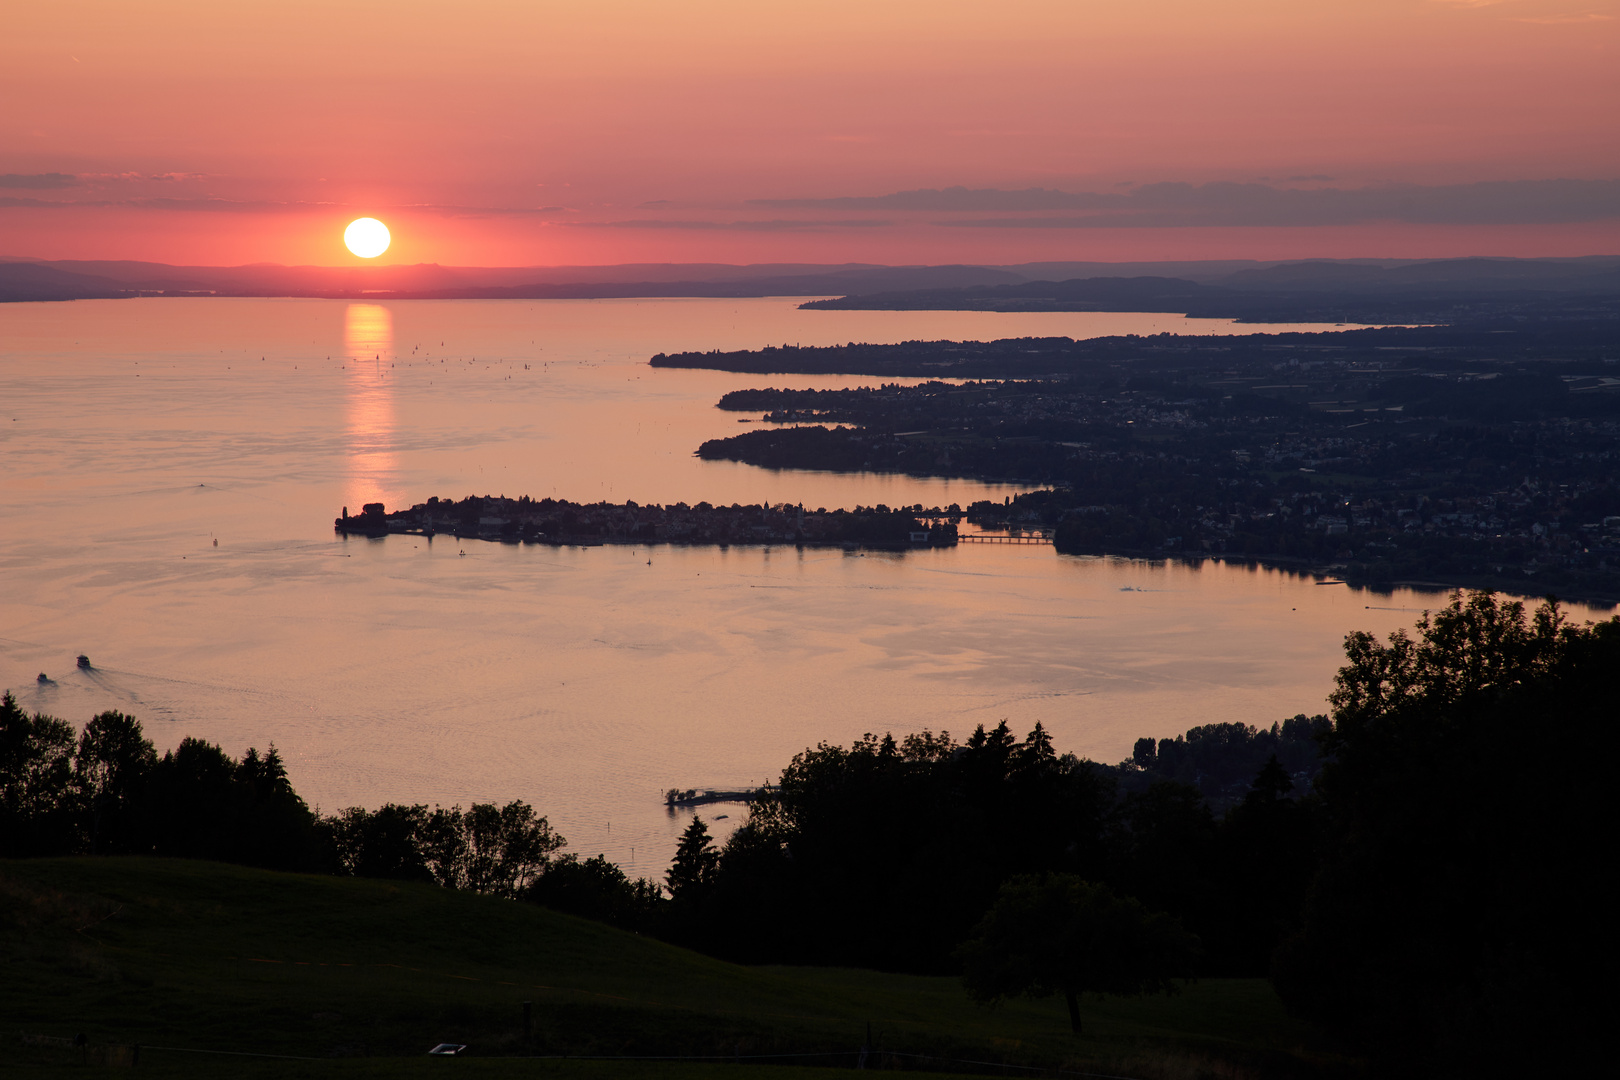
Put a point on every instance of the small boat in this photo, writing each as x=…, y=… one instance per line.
x=84, y=662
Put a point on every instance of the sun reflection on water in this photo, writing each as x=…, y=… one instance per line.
x=368, y=345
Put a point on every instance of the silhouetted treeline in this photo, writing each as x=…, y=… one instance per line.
x=1223, y=760
x=887, y=853
x=882, y=855
x=105, y=791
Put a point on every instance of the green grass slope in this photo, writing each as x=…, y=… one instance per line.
x=363, y=976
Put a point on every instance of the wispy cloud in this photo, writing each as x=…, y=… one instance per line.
x=266, y=206
x=1165, y=205
x=1552, y=19
x=947, y=199
x=140, y=177
x=1560, y=20
x=1157, y=205
x=548, y=214
x=221, y=206
x=774, y=225
x=38, y=181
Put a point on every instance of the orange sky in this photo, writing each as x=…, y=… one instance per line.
x=508, y=133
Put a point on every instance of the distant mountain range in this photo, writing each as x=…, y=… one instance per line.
x=32, y=279
x=1434, y=291
x=1254, y=290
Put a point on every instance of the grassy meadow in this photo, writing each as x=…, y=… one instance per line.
x=361, y=977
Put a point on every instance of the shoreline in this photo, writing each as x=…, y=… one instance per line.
x=1330, y=573
x=1339, y=573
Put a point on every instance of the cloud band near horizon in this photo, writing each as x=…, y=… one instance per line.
x=1148, y=206
x=1174, y=204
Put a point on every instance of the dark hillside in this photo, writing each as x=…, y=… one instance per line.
x=170, y=953
x=23, y=281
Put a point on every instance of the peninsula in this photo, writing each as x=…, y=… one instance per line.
x=560, y=522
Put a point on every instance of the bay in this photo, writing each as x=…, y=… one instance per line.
x=135, y=434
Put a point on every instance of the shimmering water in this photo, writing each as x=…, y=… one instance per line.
x=134, y=434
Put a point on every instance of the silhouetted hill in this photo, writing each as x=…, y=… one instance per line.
x=75, y=279
x=1441, y=291
x=1595, y=274
x=33, y=281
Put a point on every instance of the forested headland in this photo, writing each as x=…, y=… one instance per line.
x=1412, y=872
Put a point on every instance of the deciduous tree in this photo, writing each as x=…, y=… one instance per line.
x=111, y=770
x=1057, y=934
x=37, y=807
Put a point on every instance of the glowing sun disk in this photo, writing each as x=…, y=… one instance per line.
x=366, y=237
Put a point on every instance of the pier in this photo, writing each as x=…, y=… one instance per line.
x=1012, y=538
x=675, y=797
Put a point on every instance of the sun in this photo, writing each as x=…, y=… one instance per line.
x=367, y=237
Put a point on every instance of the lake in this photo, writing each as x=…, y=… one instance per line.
x=172, y=468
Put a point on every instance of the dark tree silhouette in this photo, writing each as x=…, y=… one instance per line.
x=1265, y=857
x=36, y=782
x=1057, y=934
x=195, y=803
x=381, y=843
x=1451, y=926
x=112, y=769
x=276, y=827
x=597, y=889
x=488, y=849
x=886, y=853
x=1164, y=841
x=696, y=860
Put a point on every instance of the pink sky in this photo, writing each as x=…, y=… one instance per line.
x=510, y=133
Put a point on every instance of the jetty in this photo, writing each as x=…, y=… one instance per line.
x=562, y=523
x=675, y=797
x=1043, y=536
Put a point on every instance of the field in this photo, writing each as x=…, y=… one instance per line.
x=356, y=978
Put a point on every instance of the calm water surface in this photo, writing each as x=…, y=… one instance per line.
x=135, y=434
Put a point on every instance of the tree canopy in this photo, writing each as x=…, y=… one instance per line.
x=1451, y=919
x=1057, y=934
